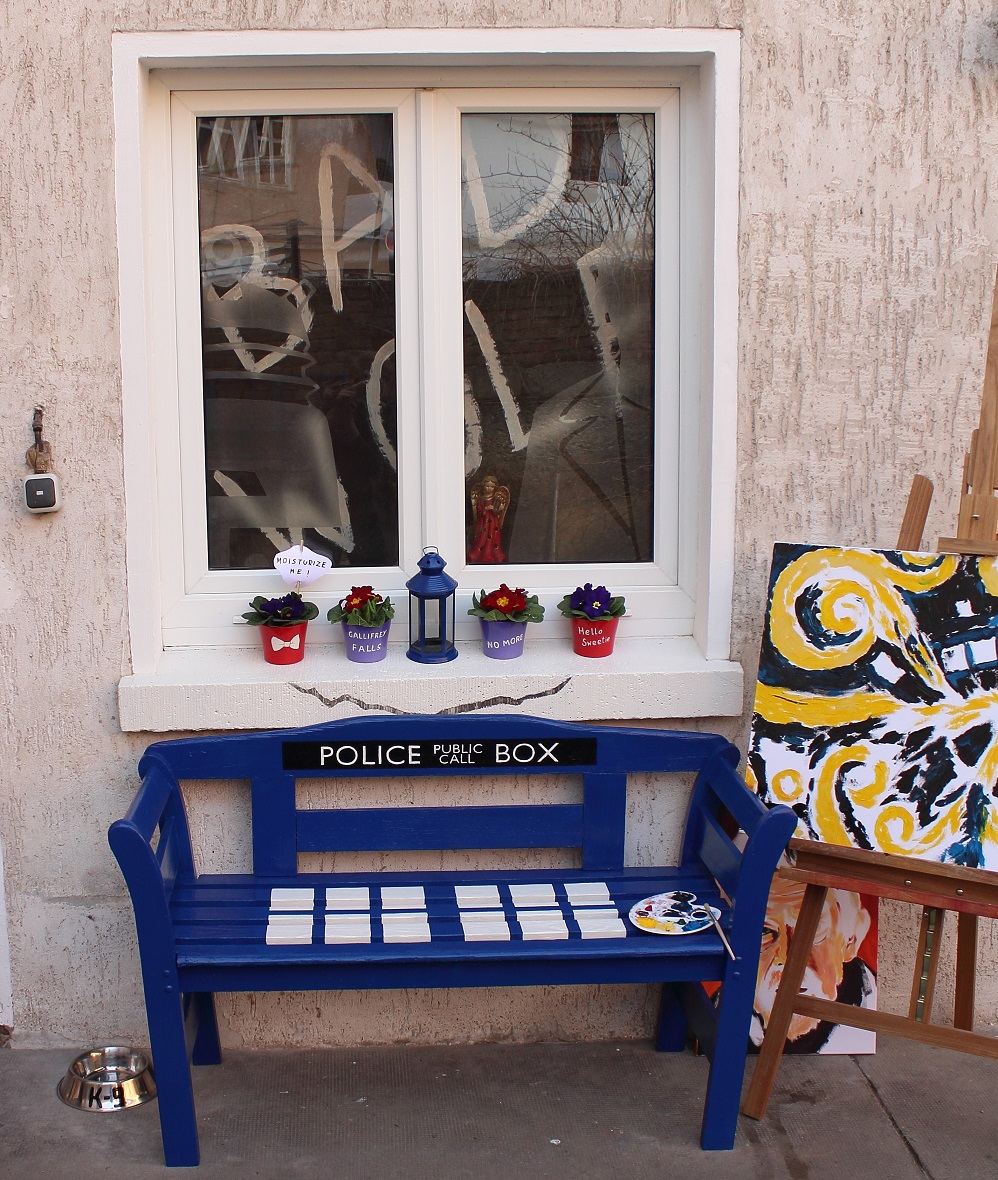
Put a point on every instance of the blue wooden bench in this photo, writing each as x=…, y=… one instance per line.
x=277, y=929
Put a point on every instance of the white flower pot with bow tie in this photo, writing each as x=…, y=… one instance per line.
x=283, y=645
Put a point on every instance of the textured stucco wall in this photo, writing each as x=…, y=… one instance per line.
x=867, y=250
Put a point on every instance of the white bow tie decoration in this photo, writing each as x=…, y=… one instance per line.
x=278, y=644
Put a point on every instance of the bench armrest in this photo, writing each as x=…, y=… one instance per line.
x=152, y=845
x=743, y=862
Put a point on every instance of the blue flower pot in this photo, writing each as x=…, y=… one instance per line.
x=366, y=645
x=502, y=640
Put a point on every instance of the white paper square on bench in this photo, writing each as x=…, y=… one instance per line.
x=488, y=926
x=292, y=899
x=289, y=929
x=348, y=928
x=348, y=898
x=477, y=897
x=403, y=897
x=588, y=893
x=532, y=895
x=405, y=927
x=600, y=924
x=541, y=925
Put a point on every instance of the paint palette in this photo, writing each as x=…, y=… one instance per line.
x=677, y=912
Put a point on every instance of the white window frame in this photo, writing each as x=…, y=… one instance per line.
x=149, y=68
x=199, y=603
x=658, y=592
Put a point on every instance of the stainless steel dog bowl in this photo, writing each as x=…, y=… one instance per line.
x=114, y=1078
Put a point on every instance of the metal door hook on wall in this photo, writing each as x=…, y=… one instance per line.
x=41, y=490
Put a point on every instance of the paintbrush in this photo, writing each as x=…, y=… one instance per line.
x=717, y=926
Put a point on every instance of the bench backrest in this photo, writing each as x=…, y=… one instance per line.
x=419, y=746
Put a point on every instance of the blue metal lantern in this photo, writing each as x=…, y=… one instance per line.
x=431, y=611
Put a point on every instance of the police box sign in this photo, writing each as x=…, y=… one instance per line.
x=506, y=754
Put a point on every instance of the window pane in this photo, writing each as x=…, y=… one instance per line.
x=558, y=239
x=298, y=337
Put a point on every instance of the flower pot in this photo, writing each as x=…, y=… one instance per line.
x=502, y=640
x=366, y=645
x=593, y=637
x=283, y=645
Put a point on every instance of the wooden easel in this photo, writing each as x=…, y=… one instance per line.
x=971, y=893
x=977, y=526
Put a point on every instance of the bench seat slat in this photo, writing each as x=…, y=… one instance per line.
x=244, y=943
x=466, y=970
x=706, y=947
x=234, y=886
x=235, y=891
x=194, y=914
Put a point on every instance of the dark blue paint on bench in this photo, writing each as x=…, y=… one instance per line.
x=199, y=934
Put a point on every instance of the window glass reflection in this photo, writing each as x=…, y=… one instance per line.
x=298, y=336
x=558, y=254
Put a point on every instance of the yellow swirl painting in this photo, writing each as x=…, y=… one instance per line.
x=876, y=711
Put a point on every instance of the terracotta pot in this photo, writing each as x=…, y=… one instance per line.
x=593, y=637
x=366, y=645
x=502, y=640
x=284, y=645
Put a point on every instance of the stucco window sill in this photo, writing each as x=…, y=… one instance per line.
x=221, y=689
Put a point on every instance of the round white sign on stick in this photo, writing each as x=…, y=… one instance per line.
x=300, y=565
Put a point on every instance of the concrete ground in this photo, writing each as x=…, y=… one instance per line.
x=518, y=1112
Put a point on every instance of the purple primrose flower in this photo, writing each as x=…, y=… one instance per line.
x=594, y=601
x=290, y=607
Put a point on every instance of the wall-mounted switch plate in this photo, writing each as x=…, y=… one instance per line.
x=42, y=493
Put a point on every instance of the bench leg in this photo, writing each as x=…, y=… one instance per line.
x=207, y=1048
x=672, y=1022
x=177, y=1120
x=727, y=1064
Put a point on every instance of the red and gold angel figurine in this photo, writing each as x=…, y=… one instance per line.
x=489, y=501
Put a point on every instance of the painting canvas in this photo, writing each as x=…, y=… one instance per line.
x=876, y=714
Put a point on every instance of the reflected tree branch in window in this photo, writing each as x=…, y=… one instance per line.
x=565, y=288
